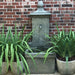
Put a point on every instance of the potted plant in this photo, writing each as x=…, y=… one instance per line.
x=18, y=46
x=66, y=52
x=12, y=49
x=64, y=46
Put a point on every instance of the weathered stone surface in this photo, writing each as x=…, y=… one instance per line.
x=4, y=68
x=66, y=68
x=40, y=67
x=40, y=25
x=15, y=68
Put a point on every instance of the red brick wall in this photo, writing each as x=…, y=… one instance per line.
x=17, y=11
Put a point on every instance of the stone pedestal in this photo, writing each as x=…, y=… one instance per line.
x=40, y=26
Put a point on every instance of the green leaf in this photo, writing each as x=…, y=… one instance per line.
x=28, y=47
x=1, y=58
x=18, y=63
x=47, y=53
x=11, y=35
x=27, y=37
x=6, y=55
x=66, y=62
x=2, y=48
x=24, y=66
x=7, y=35
x=16, y=48
x=12, y=55
x=19, y=34
x=20, y=47
x=25, y=63
x=32, y=57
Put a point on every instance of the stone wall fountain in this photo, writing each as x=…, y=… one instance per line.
x=40, y=25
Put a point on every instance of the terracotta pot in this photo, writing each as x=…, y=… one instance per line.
x=65, y=68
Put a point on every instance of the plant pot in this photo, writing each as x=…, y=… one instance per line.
x=15, y=68
x=41, y=67
x=4, y=68
x=65, y=68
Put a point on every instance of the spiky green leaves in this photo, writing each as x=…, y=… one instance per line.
x=63, y=44
x=18, y=47
x=13, y=46
x=4, y=47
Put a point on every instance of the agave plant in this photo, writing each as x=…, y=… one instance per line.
x=63, y=44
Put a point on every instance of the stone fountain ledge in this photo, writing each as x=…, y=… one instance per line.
x=9, y=73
